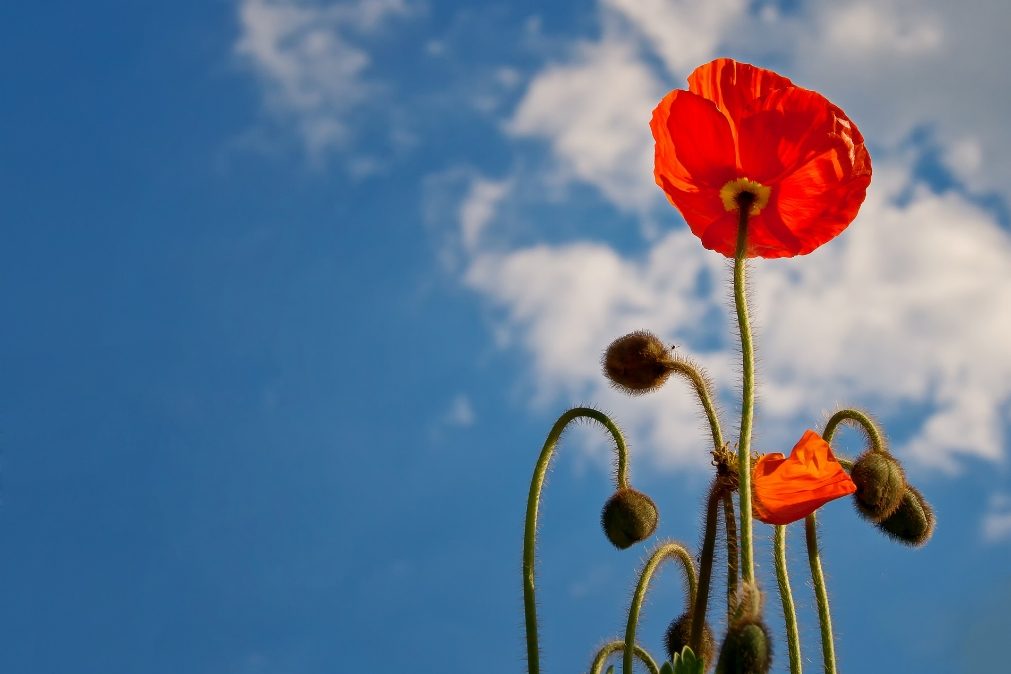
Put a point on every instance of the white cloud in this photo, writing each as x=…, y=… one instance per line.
x=594, y=113
x=478, y=207
x=310, y=64
x=996, y=526
x=906, y=310
x=460, y=412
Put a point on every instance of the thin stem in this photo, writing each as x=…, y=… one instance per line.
x=730, y=517
x=818, y=578
x=613, y=647
x=702, y=387
x=786, y=594
x=861, y=419
x=533, y=504
x=748, y=394
x=700, y=605
x=662, y=552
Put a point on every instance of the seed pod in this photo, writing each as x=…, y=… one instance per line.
x=629, y=516
x=679, y=635
x=638, y=363
x=912, y=522
x=747, y=649
x=881, y=485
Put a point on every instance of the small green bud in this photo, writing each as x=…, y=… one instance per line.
x=912, y=522
x=747, y=649
x=880, y=485
x=629, y=516
x=679, y=635
x=638, y=363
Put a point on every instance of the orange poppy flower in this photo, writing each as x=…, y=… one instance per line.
x=741, y=129
x=785, y=490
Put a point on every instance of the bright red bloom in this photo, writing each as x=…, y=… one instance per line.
x=738, y=129
x=785, y=490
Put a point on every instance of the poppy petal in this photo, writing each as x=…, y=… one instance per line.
x=788, y=489
x=696, y=139
x=734, y=87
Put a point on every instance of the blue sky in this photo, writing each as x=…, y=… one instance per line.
x=294, y=290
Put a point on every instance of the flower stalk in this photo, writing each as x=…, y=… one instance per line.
x=744, y=202
x=786, y=596
x=533, y=505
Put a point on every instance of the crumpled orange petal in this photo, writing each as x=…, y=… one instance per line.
x=785, y=489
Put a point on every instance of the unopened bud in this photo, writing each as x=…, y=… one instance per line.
x=747, y=649
x=629, y=516
x=638, y=363
x=679, y=635
x=880, y=483
x=912, y=522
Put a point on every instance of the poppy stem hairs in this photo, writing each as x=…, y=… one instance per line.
x=758, y=167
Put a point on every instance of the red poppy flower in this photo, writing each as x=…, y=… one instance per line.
x=739, y=130
x=785, y=490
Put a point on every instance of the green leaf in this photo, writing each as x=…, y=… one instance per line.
x=686, y=662
x=610, y=670
x=667, y=668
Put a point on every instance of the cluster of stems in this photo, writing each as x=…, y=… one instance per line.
x=734, y=473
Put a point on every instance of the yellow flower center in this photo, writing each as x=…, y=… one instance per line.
x=744, y=190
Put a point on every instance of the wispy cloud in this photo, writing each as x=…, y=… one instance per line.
x=996, y=526
x=905, y=310
x=311, y=62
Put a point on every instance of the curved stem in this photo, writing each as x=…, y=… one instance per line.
x=786, y=595
x=818, y=578
x=703, y=389
x=662, y=552
x=613, y=647
x=700, y=605
x=748, y=396
x=730, y=517
x=858, y=418
x=533, y=503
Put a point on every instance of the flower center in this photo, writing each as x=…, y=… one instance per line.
x=745, y=193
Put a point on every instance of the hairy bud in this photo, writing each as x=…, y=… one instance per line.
x=638, y=363
x=912, y=522
x=679, y=635
x=880, y=483
x=629, y=516
x=747, y=649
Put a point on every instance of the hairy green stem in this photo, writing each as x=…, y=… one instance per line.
x=662, y=552
x=533, y=504
x=858, y=418
x=730, y=517
x=818, y=578
x=701, y=603
x=786, y=595
x=702, y=387
x=748, y=389
x=613, y=647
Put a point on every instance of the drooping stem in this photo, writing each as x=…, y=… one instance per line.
x=821, y=595
x=703, y=390
x=730, y=517
x=748, y=388
x=701, y=602
x=533, y=504
x=786, y=595
x=662, y=552
x=613, y=647
x=861, y=419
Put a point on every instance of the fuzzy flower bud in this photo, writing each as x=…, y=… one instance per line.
x=629, y=516
x=747, y=649
x=638, y=363
x=880, y=483
x=912, y=522
x=679, y=635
